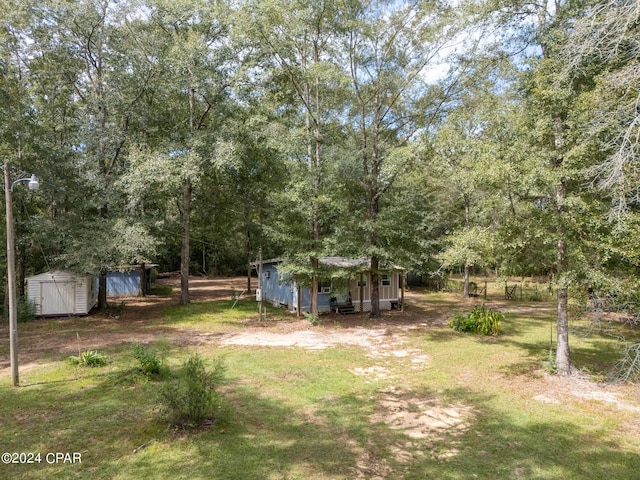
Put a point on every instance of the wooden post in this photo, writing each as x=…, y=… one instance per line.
x=401, y=279
x=361, y=292
x=260, y=282
x=299, y=300
x=485, y=289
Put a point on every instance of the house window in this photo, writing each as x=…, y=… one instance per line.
x=362, y=282
x=324, y=287
x=385, y=280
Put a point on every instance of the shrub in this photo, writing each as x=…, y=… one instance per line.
x=161, y=290
x=191, y=398
x=89, y=358
x=150, y=364
x=480, y=321
x=312, y=318
x=535, y=296
x=26, y=311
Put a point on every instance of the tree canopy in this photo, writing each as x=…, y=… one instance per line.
x=473, y=135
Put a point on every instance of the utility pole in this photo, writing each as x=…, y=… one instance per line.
x=11, y=279
x=11, y=268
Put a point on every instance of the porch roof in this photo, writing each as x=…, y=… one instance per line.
x=360, y=264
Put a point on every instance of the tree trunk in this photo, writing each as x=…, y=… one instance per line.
x=102, y=289
x=465, y=289
x=374, y=210
x=314, y=157
x=143, y=280
x=247, y=245
x=375, y=288
x=563, y=356
x=313, y=306
x=374, y=207
x=185, y=254
x=467, y=223
x=102, y=276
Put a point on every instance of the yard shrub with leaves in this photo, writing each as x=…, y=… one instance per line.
x=150, y=363
x=191, y=397
x=481, y=320
x=26, y=311
x=312, y=318
x=89, y=358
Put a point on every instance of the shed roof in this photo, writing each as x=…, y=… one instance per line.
x=56, y=275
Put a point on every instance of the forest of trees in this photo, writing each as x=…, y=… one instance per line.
x=437, y=135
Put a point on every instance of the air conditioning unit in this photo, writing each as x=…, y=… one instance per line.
x=258, y=295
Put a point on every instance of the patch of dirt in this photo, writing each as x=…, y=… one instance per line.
x=557, y=390
x=313, y=340
x=421, y=419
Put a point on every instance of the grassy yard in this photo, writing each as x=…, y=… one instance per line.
x=407, y=398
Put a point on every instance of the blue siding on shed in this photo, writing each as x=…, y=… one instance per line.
x=324, y=300
x=284, y=291
x=123, y=284
x=275, y=290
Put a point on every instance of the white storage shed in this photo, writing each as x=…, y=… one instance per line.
x=62, y=293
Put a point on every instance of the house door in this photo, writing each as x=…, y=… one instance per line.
x=57, y=298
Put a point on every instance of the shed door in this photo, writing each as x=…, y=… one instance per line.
x=58, y=298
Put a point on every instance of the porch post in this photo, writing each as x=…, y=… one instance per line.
x=299, y=314
x=361, y=292
x=401, y=280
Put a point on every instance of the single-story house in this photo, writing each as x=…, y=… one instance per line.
x=344, y=286
x=62, y=293
x=130, y=281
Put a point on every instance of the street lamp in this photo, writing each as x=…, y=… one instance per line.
x=11, y=268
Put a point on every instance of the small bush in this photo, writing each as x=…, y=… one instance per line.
x=89, y=358
x=161, y=290
x=26, y=311
x=535, y=296
x=150, y=364
x=312, y=318
x=549, y=365
x=114, y=310
x=191, y=398
x=480, y=321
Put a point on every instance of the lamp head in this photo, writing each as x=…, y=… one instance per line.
x=33, y=183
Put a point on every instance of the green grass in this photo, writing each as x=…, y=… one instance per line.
x=292, y=413
x=220, y=315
